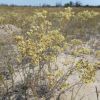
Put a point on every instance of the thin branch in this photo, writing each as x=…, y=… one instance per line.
x=62, y=92
x=97, y=93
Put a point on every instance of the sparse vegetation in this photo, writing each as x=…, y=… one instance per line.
x=30, y=66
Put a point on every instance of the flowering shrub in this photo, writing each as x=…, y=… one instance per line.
x=40, y=47
x=85, y=15
x=76, y=42
x=42, y=44
x=42, y=41
x=86, y=70
x=81, y=51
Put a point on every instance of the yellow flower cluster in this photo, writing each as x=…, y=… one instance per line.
x=45, y=41
x=54, y=76
x=76, y=42
x=85, y=15
x=41, y=47
x=86, y=70
x=81, y=51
